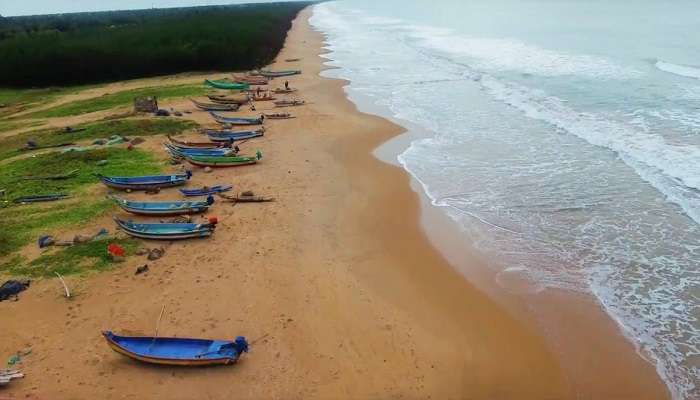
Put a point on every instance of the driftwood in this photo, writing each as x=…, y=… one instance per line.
x=64, y=285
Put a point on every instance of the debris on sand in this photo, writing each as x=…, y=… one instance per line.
x=141, y=270
x=11, y=288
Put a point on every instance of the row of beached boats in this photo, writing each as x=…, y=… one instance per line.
x=219, y=151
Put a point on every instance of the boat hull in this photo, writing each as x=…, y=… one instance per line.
x=160, y=231
x=177, y=351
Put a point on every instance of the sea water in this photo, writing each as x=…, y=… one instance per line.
x=562, y=136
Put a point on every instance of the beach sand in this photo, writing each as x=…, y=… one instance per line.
x=335, y=284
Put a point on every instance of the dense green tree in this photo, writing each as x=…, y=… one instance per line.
x=81, y=48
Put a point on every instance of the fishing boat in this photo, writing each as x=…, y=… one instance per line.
x=145, y=182
x=162, y=208
x=222, y=162
x=166, y=231
x=176, y=151
x=214, y=106
x=197, y=145
x=284, y=90
x=228, y=99
x=205, y=191
x=235, y=120
x=279, y=74
x=40, y=198
x=227, y=85
x=289, y=103
x=251, y=80
x=279, y=115
x=233, y=136
x=178, y=351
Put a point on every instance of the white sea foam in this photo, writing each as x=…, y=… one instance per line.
x=499, y=54
x=680, y=70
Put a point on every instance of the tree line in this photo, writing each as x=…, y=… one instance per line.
x=81, y=48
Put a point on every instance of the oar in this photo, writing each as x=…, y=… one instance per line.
x=162, y=310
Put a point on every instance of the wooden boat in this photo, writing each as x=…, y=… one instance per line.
x=40, y=198
x=197, y=145
x=233, y=136
x=235, y=120
x=251, y=80
x=214, y=106
x=246, y=198
x=289, y=103
x=199, y=152
x=222, y=162
x=166, y=231
x=178, y=351
x=278, y=115
x=226, y=99
x=284, y=90
x=292, y=59
x=145, y=182
x=162, y=208
x=279, y=74
x=205, y=191
x=227, y=85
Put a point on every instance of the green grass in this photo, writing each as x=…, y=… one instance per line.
x=10, y=125
x=16, y=100
x=118, y=99
x=81, y=258
x=22, y=224
x=10, y=146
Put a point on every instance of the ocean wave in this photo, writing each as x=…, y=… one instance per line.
x=506, y=54
x=677, y=69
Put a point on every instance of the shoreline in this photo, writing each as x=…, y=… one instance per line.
x=336, y=284
x=544, y=310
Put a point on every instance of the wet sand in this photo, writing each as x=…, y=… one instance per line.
x=335, y=284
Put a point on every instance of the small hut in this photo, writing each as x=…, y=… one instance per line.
x=146, y=104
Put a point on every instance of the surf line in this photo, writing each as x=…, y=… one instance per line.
x=478, y=218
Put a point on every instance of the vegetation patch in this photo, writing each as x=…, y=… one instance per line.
x=12, y=146
x=123, y=98
x=21, y=224
x=16, y=100
x=80, y=258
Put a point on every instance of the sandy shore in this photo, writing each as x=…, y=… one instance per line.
x=335, y=284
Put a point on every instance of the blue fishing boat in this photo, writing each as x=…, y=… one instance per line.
x=166, y=231
x=164, y=207
x=205, y=191
x=235, y=120
x=178, y=351
x=145, y=182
